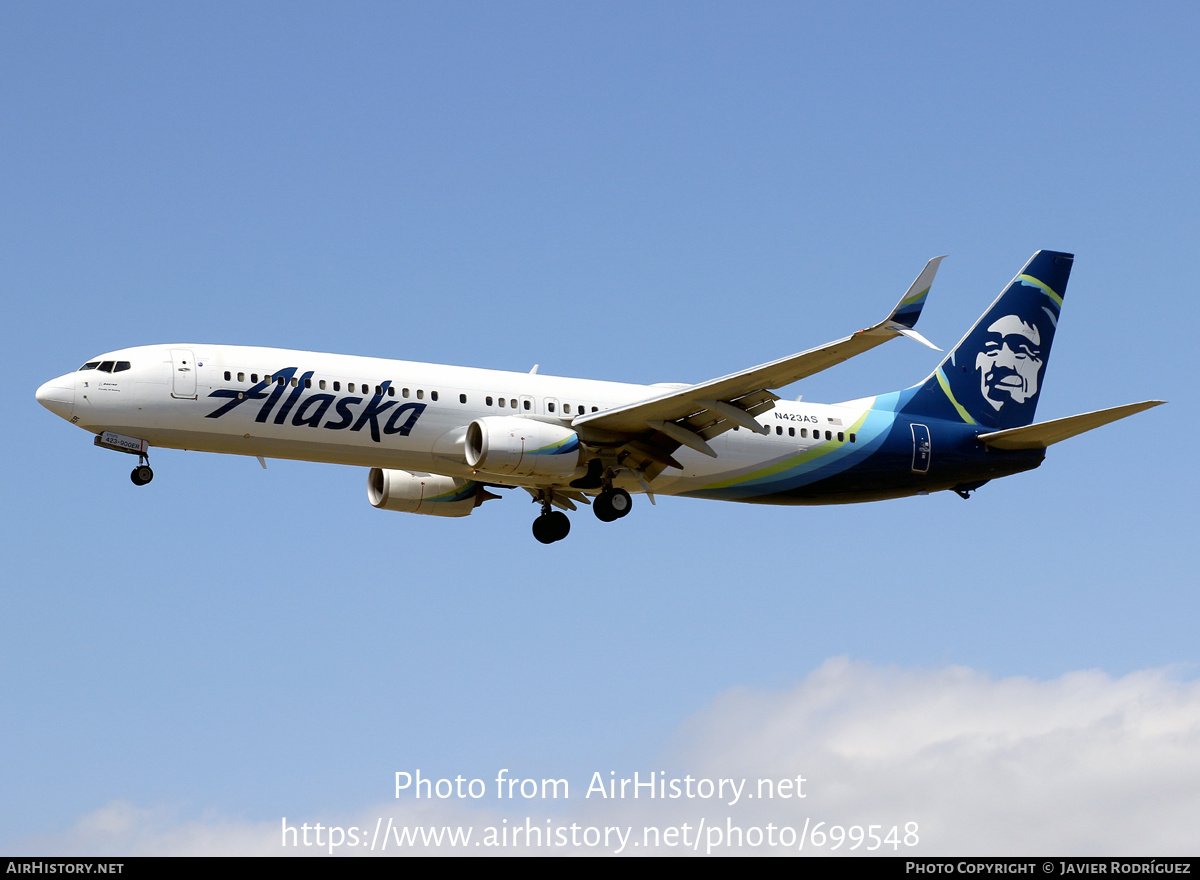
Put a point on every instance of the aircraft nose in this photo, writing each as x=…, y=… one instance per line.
x=58, y=395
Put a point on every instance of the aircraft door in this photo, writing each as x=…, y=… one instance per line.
x=183, y=374
x=922, y=449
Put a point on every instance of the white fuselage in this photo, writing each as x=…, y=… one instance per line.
x=374, y=412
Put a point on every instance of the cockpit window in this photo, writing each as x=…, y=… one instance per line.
x=121, y=366
x=105, y=366
x=90, y=365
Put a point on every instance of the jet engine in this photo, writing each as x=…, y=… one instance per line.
x=429, y=494
x=522, y=448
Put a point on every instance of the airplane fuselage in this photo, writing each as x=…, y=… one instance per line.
x=374, y=412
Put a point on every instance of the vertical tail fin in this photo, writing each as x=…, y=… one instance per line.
x=994, y=375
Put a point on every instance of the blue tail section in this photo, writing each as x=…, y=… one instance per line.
x=993, y=377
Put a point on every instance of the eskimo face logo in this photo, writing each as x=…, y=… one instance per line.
x=1010, y=362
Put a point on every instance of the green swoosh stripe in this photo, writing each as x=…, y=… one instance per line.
x=941, y=377
x=1029, y=279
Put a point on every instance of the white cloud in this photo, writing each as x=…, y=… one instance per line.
x=1081, y=765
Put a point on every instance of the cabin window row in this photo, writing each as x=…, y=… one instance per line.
x=816, y=434
x=334, y=385
x=527, y=404
x=580, y=409
x=363, y=387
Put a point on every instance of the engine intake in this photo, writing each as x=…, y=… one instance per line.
x=428, y=494
x=522, y=448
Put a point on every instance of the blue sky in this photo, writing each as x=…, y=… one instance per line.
x=643, y=193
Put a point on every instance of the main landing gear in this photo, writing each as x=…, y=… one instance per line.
x=612, y=504
x=552, y=525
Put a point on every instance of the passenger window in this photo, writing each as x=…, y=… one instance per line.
x=350, y=387
x=420, y=394
x=433, y=395
x=549, y=407
x=337, y=386
x=462, y=398
x=241, y=377
x=281, y=381
x=528, y=405
x=791, y=432
x=121, y=366
x=804, y=433
x=513, y=403
x=593, y=409
x=254, y=378
x=853, y=438
x=228, y=375
x=488, y=401
x=391, y=391
x=321, y=384
x=828, y=435
x=295, y=382
x=567, y=408
x=841, y=437
x=404, y=392
x=779, y=429
x=308, y=383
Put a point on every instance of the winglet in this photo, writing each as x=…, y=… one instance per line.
x=913, y=334
x=909, y=308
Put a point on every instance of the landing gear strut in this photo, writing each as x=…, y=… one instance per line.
x=141, y=475
x=552, y=525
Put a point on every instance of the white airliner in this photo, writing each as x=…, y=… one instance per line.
x=438, y=438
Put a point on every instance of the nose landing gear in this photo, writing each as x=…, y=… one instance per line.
x=141, y=475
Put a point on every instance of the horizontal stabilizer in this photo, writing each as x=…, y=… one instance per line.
x=1043, y=434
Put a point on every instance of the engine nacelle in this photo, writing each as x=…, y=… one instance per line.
x=522, y=448
x=429, y=494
